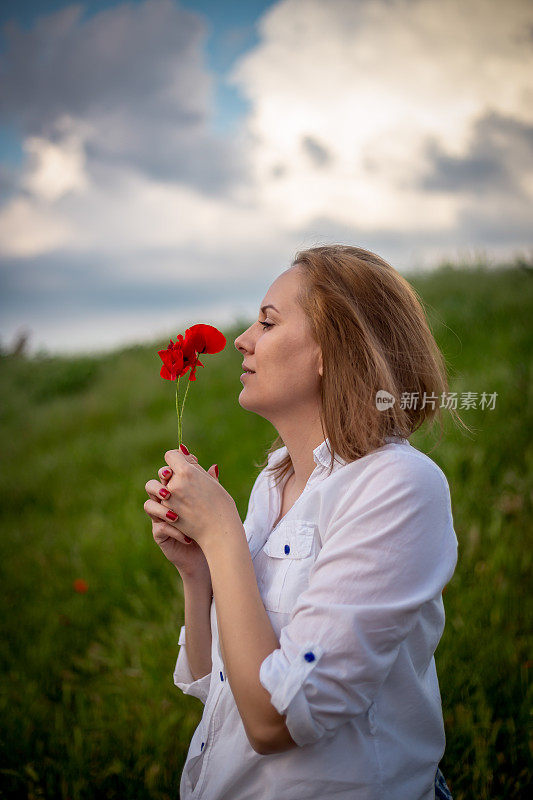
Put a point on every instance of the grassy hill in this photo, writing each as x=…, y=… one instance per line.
x=88, y=707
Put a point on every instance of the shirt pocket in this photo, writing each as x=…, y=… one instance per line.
x=287, y=557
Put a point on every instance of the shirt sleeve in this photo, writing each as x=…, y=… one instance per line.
x=183, y=678
x=389, y=547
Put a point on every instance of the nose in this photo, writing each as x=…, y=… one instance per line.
x=239, y=345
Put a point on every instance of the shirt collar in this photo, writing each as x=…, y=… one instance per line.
x=322, y=454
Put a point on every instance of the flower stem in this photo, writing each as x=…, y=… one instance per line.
x=183, y=403
x=178, y=410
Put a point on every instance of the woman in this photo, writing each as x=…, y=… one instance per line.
x=310, y=629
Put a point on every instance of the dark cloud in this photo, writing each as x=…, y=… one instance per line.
x=134, y=73
x=476, y=229
x=9, y=179
x=495, y=209
x=501, y=149
x=318, y=154
x=84, y=283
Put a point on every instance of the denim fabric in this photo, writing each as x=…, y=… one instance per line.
x=441, y=789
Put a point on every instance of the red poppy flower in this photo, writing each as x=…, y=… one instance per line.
x=205, y=338
x=80, y=585
x=201, y=339
x=182, y=355
x=176, y=360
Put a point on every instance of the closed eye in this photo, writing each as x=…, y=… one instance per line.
x=266, y=324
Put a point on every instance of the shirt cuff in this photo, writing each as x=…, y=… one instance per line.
x=284, y=680
x=183, y=678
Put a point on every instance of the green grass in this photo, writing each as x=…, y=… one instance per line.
x=88, y=707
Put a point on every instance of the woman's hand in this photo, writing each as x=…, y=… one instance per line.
x=198, y=504
x=186, y=556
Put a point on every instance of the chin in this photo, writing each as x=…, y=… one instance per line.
x=248, y=406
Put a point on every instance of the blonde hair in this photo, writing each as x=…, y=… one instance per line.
x=373, y=333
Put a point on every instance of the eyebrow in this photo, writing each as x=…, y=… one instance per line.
x=269, y=306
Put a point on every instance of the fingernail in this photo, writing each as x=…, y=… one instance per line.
x=216, y=470
x=184, y=449
x=171, y=515
x=164, y=492
x=166, y=473
x=187, y=539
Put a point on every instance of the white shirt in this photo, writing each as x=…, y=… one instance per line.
x=352, y=580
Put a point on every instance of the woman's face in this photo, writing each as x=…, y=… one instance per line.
x=287, y=362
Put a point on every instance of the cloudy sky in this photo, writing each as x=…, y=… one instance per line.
x=161, y=162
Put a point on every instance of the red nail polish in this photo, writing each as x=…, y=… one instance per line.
x=216, y=470
x=187, y=539
x=171, y=515
x=164, y=492
x=184, y=449
x=166, y=473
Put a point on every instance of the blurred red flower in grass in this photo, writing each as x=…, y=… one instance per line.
x=80, y=585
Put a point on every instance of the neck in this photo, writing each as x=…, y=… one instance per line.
x=300, y=443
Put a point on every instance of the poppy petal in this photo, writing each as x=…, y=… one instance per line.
x=207, y=338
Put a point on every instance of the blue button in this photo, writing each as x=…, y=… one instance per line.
x=287, y=548
x=221, y=676
x=309, y=656
x=202, y=747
